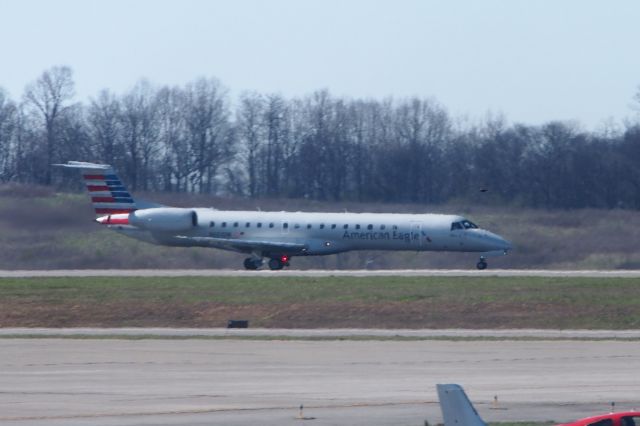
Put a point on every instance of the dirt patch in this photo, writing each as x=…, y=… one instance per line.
x=412, y=315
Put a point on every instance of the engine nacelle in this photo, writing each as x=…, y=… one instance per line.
x=168, y=219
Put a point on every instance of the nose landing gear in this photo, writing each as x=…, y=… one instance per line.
x=482, y=263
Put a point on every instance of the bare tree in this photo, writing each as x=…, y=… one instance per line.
x=74, y=140
x=318, y=146
x=103, y=119
x=178, y=164
x=207, y=121
x=49, y=95
x=8, y=123
x=422, y=128
x=275, y=129
x=250, y=134
x=141, y=128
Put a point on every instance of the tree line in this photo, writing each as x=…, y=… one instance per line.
x=194, y=138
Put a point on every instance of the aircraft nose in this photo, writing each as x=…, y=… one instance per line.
x=498, y=243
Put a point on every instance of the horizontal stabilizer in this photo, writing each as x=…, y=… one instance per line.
x=83, y=165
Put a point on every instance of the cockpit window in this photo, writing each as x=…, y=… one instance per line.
x=469, y=225
x=464, y=224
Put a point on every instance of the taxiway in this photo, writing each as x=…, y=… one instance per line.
x=234, y=382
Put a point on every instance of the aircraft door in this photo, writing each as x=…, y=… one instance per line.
x=457, y=236
x=416, y=234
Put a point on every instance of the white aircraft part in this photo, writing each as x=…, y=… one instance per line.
x=164, y=219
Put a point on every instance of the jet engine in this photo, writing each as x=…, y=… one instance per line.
x=168, y=219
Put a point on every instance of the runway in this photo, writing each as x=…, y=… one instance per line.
x=239, y=382
x=317, y=273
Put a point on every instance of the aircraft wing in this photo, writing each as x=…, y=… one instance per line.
x=456, y=408
x=249, y=245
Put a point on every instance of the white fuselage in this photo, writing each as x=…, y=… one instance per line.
x=328, y=233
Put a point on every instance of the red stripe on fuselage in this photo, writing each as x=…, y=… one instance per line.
x=93, y=177
x=97, y=188
x=113, y=211
x=116, y=219
x=103, y=199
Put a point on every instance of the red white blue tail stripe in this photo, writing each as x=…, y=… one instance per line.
x=108, y=193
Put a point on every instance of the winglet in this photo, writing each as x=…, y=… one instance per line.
x=456, y=408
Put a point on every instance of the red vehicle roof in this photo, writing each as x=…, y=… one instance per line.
x=616, y=419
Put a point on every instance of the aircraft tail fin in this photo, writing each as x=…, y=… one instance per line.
x=456, y=408
x=108, y=193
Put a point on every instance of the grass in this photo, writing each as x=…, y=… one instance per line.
x=308, y=302
x=259, y=290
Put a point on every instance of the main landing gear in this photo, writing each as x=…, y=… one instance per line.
x=275, y=263
x=482, y=263
x=252, y=264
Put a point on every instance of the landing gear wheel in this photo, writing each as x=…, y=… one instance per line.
x=252, y=264
x=275, y=264
x=481, y=265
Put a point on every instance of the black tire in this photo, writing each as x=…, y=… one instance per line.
x=250, y=264
x=275, y=264
x=481, y=265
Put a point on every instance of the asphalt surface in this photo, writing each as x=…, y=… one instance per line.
x=240, y=382
x=314, y=273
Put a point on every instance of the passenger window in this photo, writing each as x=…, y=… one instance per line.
x=382, y=227
x=235, y=224
x=259, y=225
x=247, y=225
x=224, y=224
x=358, y=226
x=333, y=226
x=395, y=227
x=297, y=226
x=369, y=227
x=346, y=226
x=309, y=226
x=285, y=225
x=322, y=226
x=212, y=224
x=271, y=225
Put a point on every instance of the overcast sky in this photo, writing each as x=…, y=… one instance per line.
x=534, y=61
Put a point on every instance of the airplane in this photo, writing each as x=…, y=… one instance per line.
x=278, y=236
x=457, y=410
